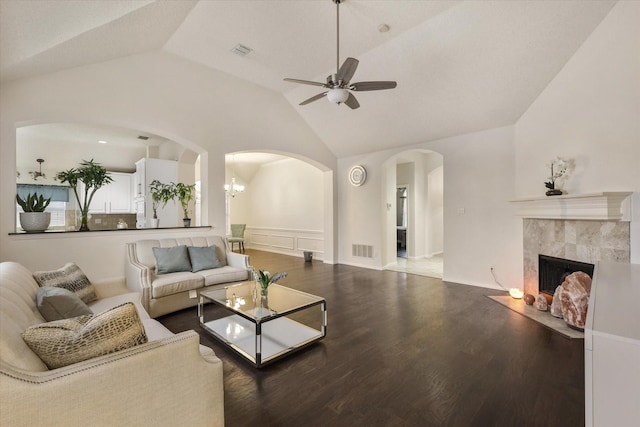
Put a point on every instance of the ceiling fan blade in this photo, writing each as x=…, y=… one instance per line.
x=347, y=70
x=352, y=102
x=306, y=82
x=362, y=86
x=313, y=98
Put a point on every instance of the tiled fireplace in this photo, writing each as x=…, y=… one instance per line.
x=585, y=228
x=577, y=240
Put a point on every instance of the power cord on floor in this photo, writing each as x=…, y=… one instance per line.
x=493, y=274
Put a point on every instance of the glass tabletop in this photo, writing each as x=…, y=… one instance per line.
x=245, y=299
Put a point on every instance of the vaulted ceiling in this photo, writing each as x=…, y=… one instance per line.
x=461, y=66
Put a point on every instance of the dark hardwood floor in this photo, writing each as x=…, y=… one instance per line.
x=403, y=350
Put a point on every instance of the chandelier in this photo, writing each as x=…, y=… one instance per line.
x=233, y=189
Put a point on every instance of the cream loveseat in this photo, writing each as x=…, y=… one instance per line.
x=171, y=380
x=166, y=293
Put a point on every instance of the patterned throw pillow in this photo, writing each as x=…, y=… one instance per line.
x=69, y=277
x=69, y=341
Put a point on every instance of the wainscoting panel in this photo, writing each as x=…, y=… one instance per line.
x=285, y=241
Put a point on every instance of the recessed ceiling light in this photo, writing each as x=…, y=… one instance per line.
x=241, y=50
x=383, y=28
x=102, y=142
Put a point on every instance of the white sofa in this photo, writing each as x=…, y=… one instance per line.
x=166, y=293
x=170, y=380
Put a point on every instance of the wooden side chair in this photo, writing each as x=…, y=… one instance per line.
x=237, y=236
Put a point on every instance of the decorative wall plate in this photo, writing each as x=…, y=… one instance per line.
x=357, y=175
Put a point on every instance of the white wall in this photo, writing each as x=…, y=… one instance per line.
x=283, y=194
x=589, y=112
x=478, y=177
x=208, y=112
x=435, y=212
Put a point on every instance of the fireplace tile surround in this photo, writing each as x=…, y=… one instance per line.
x=578, y=240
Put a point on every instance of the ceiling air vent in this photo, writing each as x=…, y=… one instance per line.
x=241, y=50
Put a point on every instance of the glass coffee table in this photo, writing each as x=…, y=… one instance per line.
x=262, y=331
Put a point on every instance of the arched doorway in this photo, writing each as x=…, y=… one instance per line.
x=285, y=202
x=413, y=234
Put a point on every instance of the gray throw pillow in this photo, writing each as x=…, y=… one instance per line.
x=203, y=258
x=69, y=277
x=59, y=303
x=171, y=260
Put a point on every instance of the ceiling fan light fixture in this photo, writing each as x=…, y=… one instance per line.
x=337, y=95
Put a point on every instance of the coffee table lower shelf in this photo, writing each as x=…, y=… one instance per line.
x=278, y=337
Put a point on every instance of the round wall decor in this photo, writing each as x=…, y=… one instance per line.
x=357, y=175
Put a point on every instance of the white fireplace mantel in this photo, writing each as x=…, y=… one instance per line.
x=609, y=206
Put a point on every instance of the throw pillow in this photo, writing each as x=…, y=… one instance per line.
x=59, y=303
x=203, y=258
x=69, y=341
x=69, y=277
x=171, y=260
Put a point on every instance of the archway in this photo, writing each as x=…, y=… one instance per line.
x=286, y=202
x=414, y=222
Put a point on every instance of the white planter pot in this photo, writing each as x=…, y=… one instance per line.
x=35, y=222
x=155, y=222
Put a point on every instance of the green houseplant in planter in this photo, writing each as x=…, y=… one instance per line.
x=34, y=219
x=93, y=176
x=185, y=194
x=160, y=196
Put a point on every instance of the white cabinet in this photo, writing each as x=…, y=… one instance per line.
x=115, y=197
x=165, y=171
x=612, y=347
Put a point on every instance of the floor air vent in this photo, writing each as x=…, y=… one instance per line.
x=365, y=251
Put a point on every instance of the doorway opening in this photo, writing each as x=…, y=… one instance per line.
x=414, y=226
x=402, y=214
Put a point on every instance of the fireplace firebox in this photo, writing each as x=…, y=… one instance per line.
x=552, y=272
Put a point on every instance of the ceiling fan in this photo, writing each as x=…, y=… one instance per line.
x=339, y=83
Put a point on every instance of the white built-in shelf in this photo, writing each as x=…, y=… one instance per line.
x=611, y=206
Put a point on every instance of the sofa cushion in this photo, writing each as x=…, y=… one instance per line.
x=203, y=258
x=173, y=283
x=112, y=301
x=144, y=248
x=224, y=274
x=69, y=277
x=171, y=260
x=69, y=341
x=60, y=303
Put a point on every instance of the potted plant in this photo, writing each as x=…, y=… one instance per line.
x=185, y=194
x=93, y=176
x=264, y=279
x=34, y=219
x=160, y=196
